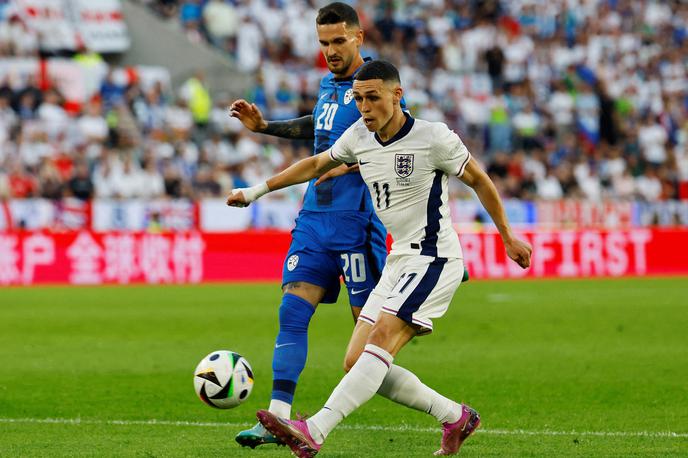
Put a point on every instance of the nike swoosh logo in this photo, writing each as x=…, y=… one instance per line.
x=363, y=163
x=284, y=345
x=354, y=292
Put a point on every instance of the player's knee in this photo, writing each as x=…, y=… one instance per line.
x=312, y=294
x=380, y=335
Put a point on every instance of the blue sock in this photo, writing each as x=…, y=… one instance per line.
x=291, y=346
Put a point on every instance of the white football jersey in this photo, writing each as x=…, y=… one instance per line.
x=407, y=178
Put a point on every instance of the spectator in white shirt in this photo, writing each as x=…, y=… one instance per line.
x=247, y=146
x=178, y=118
x=560, y=105
x=92, y=126
x=588, y=180
x=129, y=183
x=272, y=19
x=34, y=145
x=623, y=185
x=548, y=187
x=152, y=183
x=249, y=45
x=104, y=178
x=652, y=138
x=613, y=165
x=219, y=150
x=647, y=186
x=54, y=117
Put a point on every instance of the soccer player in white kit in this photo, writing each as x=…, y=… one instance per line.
x=405, y=163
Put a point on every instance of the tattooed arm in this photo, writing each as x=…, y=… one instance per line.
x=291, y=128
x=251, y=117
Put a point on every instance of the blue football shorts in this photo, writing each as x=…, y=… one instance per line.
x=328, y=246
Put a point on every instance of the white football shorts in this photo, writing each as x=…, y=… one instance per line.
x=415, y=288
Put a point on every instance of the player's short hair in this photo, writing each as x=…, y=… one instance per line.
x=378, y=70
x=337, y=12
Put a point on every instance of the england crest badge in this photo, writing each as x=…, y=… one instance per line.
x=403, y=165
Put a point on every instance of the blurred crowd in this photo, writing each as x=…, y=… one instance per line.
x=128, y=142
x=556, y=98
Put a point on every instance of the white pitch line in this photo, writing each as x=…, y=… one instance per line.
x=496, y=432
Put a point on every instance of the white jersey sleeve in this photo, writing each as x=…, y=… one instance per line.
x=449, y=154
x=343, y=149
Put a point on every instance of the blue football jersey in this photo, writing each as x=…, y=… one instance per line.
x=334, y=112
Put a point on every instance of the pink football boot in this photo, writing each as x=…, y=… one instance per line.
x=453, y=434
x=294, y=433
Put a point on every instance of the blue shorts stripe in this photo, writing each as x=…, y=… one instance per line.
x=422, y=291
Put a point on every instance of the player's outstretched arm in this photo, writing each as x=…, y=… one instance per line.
x=476, y=178
x=251, y=117
x=337, y=172
x=300, y=172
x=297, y=128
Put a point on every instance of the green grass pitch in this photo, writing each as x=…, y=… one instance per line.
x=556, y=368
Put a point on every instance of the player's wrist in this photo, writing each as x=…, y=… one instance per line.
x=262, y=126
x=508, y=236
x=255, y=192
x=508, y=241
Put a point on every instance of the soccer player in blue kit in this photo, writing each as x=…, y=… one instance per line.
x=337, y=233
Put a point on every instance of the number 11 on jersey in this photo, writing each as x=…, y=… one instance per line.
x=381, y=195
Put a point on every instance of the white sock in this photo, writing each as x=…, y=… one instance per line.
x=280, y=408
x=357, y=387
x=403, y=386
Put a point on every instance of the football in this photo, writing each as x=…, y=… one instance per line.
x=223, y=379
